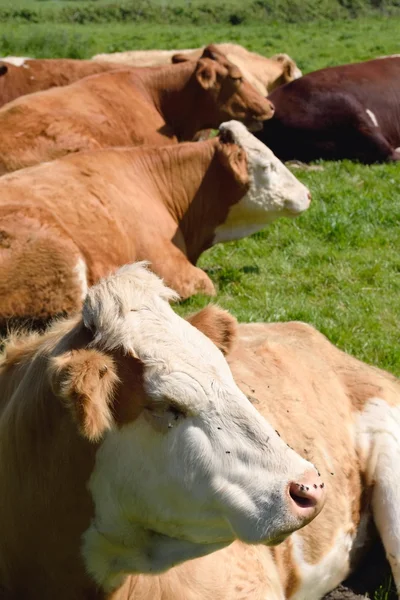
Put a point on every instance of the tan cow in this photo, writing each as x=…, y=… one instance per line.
x=126, y=447
x=65, y=224
x=157, y=105
x=265, y=74
x=339, y=413
x=20, y=76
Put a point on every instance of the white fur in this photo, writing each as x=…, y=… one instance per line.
x=274, y=191
x=81, y=271
x=318, y=579
x=372, y=117
x=219, y=472
x=389, y=56
x=17, y=61
x=379, y=447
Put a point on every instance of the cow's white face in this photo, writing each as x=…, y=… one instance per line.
x=274, y=191
x=198, y=468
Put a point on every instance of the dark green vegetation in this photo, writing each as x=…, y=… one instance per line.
x=338, y=265
x=195, y=12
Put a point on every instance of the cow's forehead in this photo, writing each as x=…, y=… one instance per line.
x=246, y=140
x=180, y=363
x=159, y=334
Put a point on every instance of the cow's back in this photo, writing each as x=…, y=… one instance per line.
x=332, y=113
x=314, y=395
x=34, y=75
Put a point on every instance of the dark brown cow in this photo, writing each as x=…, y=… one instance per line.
x=20, y=76
x=351, y=111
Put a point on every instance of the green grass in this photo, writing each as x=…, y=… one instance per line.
x=338, y=265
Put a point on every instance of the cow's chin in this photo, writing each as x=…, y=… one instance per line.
x=254, y=126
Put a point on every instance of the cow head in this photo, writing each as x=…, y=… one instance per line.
x=271, y=192
x=287, y=71
x=184, y=464
x=225, y=93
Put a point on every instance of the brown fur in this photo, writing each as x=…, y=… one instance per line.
x=159, y=204
x=127, y=107
x=264, y=73
x=36, y=75
x=285, y=366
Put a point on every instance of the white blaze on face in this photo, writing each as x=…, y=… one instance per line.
x=274, y=191
x=199, y=467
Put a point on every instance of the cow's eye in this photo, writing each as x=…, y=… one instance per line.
x=237, y=80
x=164, y=416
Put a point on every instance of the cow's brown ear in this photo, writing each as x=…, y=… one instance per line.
x=85, y=381
x=218, y=325
x=212, y=51
x=234, y=158
x=180, y=58
x=206, y=74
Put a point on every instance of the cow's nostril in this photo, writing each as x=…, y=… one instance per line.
x=306, y=495
x=299, y=494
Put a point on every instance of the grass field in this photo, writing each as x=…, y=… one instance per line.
x=338, y=265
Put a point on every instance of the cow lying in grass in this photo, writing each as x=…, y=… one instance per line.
x=348, y=111
x=65, y=224
x=264, y=73
x=20, y=76
x=127, y=448
x=157, y=105
x=156, y=399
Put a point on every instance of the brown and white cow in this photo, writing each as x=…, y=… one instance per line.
x=127, y=448
x=158, y=105
x=20, y=76
x=350, y=111
x=179, y=424
x=65, y=224
x=264, y=73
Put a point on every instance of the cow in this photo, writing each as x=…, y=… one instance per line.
x=20, y=76
x=67, y=223
x=127, y=448
x=339, y=413
x=264, y=73
x=158, y=105
x=350, y=111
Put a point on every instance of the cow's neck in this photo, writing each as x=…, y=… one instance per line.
x=44, y=469
x=198, y=191
x=177, y=96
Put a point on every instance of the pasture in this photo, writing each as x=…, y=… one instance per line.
x=338, y=265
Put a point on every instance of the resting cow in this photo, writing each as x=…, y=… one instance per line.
x=26, y=75
x=158, y=105
x=350, y=111
x=264, y=73
x=126, y=448
x=65, y=224
x=175, y=412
